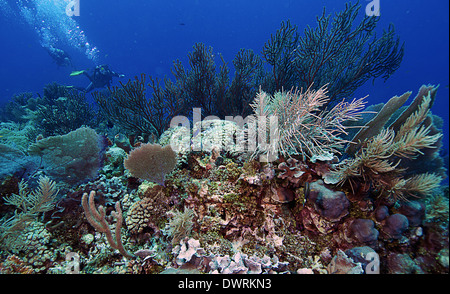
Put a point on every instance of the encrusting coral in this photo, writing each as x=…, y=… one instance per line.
x=14, y=265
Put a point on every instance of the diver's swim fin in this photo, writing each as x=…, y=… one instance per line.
x=76, y=73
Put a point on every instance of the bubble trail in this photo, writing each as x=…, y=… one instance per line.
x=48, y=18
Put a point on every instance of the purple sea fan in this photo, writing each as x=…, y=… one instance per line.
x=151, y=162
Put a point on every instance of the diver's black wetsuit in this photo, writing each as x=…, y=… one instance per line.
x=101, y=77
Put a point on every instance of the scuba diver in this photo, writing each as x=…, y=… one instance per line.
x=101, y=77
x=59, y=56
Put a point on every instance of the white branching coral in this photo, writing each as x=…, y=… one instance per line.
x=297, y=123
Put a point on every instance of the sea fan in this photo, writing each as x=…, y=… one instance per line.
x=151, y=162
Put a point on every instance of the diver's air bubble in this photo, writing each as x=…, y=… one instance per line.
x=49, y=20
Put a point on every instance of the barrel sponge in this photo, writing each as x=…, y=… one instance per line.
x=151, y=162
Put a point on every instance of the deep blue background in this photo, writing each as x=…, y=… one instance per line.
x=147, y=36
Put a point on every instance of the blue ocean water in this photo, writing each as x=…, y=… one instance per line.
x=142, y=36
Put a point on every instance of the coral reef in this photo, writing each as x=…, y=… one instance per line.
x=220, y=212
x=197, y=198
x=206, y=206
